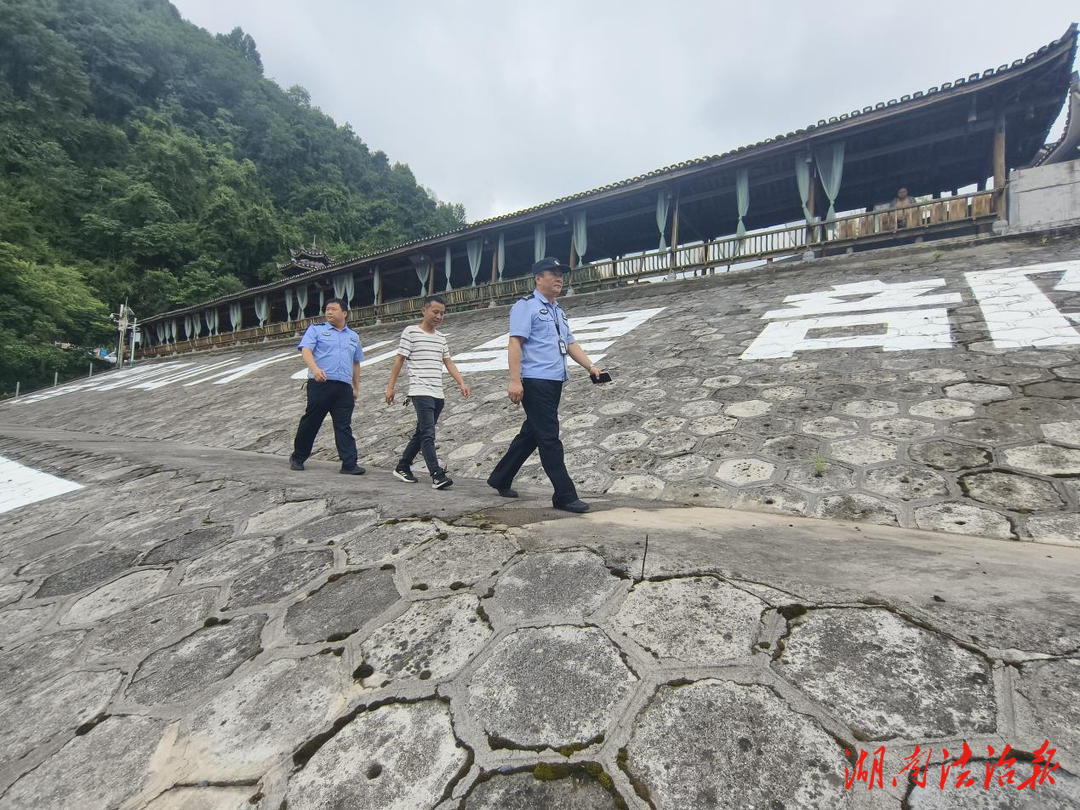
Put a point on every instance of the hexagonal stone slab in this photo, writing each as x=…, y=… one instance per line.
x=74, y=776
x=37, y=660
x=945, y=455
x=830, y=427
x=1011, y=491
x=683, y=468
x=1044, y=459
x=697, y=621
x=433, y=639
x=863, y=450
x=626, y=440
x=906, y=483
x=137, y=632
x=748, y=408
x=278, y=578
x=664, y=424
x=87, y=574
x=962, y=518
x=1062, y=432
x=260, y=718
x=1065, y=795
x=63, y=705
x=550, y=687
x=943, y=409
x=389, y=540
x=459, y=556
x=554, y=584
x=869, y=408
x=828, y=476
x=397, y=757
x=978, y=392
x=18, y=622
x=115, y=597
x=744, y=471
x=190, y=544
x=886, y=677
x=711, y=425
x=902, y=429
x=767, y=751
x=182, y=671
x=525, y=791
x=858, y=507
x=284, y=517
x=991, y=431
x=341, y=607
x=1062, y=530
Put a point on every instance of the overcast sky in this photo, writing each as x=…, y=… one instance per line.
x=506, y=104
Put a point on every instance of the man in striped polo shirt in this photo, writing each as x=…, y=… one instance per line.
x=425, y=348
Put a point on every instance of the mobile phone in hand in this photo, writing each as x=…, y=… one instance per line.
x=603, y=378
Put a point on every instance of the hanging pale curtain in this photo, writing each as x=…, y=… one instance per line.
x=742, y=198
x=475, y=249
x=339, y=285
x=376, y=284
x=500, y=256
x=422, y=266
x=539, y=241
x=235, y=314
x=802, y=177
x=581, y=235
x=172, y=330
x=301, y=300
x=159, y=328
x=196, y=322
x=322, y=300
x=446, y=264
x=188, y=328
x=262, y=309
x=830, y=166
x=211, y=321
x=288, y=304
x=350, y=288
x=663, y=202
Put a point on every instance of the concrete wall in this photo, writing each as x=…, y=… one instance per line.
x=1044, y=196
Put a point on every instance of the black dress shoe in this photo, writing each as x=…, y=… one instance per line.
x=357, y=470
x=506, y=493
x=577, y=507
x=295, y=465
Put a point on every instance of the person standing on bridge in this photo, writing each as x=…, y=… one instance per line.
x=427, y=352
x=540, y=342
x=332, y=353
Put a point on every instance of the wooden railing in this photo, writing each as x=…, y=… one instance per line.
x=847, y=232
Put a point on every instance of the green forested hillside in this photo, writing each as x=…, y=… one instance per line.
x=145, y=159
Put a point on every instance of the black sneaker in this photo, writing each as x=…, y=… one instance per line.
x=295, y=465
x=440, y=480
x=405, y=474
x=357, y=470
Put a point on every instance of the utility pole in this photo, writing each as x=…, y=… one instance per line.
x=134, y=329
x=121, y=324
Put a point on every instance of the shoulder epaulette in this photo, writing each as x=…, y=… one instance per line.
x=526, y=297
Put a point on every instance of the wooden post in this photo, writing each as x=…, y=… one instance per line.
x=573, y=252
x=495, y=266
x=674, y=238
x=810, y=205
x=999, y=164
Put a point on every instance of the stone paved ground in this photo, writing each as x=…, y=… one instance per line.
x=962, y=415
x=200, y=628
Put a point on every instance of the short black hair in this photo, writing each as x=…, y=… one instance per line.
x=434, y=299
x=341, y=303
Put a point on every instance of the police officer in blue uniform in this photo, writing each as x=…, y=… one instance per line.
x=540, y=342
x=332, y=353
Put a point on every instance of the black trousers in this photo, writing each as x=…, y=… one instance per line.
x=423, y=439
x=540, y=432
x=334, y=398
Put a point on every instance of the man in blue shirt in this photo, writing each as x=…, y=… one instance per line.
x=540, y=342
x=332, y=353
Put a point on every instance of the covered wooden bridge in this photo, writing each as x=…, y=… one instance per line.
x=830, y=187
